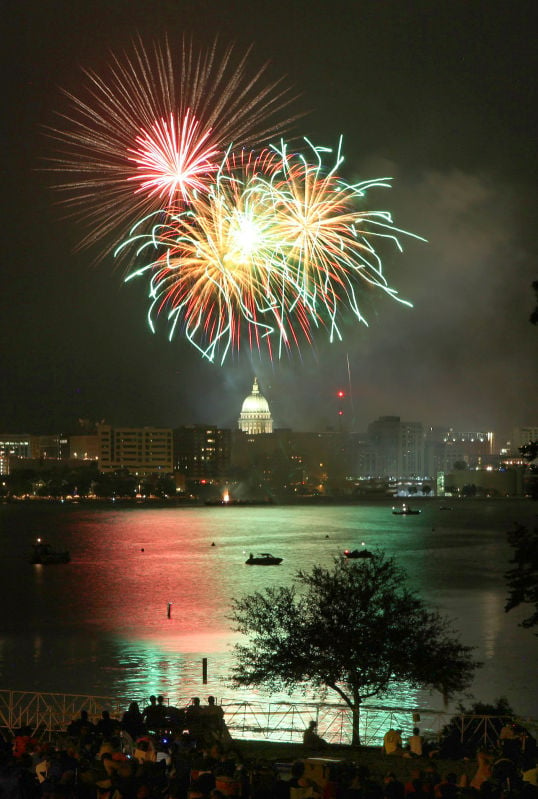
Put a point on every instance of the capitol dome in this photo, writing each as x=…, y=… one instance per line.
x=255, y=414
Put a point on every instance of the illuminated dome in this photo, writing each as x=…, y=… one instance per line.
x=255, y=414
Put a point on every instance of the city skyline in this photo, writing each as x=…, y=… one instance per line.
x=442, y=100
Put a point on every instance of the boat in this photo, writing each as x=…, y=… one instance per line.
x=45, y=554
x=405, y=510
x=445, y=507
x=352, y=554
x=263, y=559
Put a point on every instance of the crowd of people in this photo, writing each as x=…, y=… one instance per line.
x=161, y=752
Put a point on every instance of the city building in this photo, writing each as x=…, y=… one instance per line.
x=140, y=450
x=296, y=462
x=201, y=452
x=18, y=447
x=15, y=446
x=84, y=447
x=522, y=436
x=506, y=482
x=474, y=448
x=398, y=447
x=255, y=417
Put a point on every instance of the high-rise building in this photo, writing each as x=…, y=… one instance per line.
x=255, y=417
x=141, y=450
x=201, y=451
x=13, y=446
x=398, y=447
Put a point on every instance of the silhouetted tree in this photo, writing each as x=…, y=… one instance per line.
x=356, y=629
x=522, y=579
x=469, y=490
x=464, y=733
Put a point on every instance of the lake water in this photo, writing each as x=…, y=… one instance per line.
x=99, y=625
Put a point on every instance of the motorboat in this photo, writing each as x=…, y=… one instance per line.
x=405, y=511
x=263, y=559
x=45, y=554
x=352, y=554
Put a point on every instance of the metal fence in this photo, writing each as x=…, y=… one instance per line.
x=286, y=721
x=49, y=714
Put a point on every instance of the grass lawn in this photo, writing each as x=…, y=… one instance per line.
x=377, y=761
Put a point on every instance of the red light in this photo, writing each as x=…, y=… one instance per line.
x=340, y=394
x=340, y=413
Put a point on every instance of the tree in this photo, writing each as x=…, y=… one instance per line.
x=354, y=628
x=522, y=579
x=529, y=452
x=468, y=490
x=465, y=732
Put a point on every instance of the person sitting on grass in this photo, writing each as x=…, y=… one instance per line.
x=392, y=742
x=312, y=740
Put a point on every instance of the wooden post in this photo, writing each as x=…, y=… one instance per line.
x=204, y=671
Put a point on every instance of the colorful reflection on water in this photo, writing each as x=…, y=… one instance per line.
x=100, y=625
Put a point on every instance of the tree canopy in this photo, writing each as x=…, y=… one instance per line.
x=355, y=628
x=522, y=578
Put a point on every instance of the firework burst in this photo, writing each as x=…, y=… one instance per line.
x=152, y=132
x=278, y=247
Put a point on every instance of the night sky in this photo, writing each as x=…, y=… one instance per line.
x=440, y=95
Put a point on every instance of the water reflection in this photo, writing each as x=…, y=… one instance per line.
x=100, y=624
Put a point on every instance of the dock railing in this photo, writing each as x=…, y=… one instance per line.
x=49, y=714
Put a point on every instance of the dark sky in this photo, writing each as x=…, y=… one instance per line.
x=439, y=94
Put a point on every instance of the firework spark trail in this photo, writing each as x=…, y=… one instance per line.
x=155, y=129
x=213, y=270
x=278, y=247
x=172, y=162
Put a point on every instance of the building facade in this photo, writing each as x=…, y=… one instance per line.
x=255, y=417
x=397, y=448
x=201, y=452
x=139, y=450
x=522, y=436
x=13, y=447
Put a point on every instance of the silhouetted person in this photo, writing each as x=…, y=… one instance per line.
x=132, y=721
x=153, y=715
x=312, y=740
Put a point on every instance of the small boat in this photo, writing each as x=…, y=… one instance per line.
x=445, y=507
x=263, y=559
x=405, y=510
x=45, y=554
x=352, y=554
